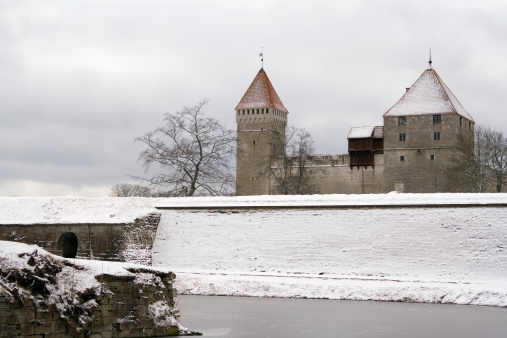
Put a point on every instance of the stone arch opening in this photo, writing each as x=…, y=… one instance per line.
x=68, y=244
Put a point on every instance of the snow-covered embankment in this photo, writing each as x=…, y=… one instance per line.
x=443, y=248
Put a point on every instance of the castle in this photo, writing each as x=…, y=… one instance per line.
x=412, y=152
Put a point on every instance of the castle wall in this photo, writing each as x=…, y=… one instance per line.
x=113, y=242
x=420, y=161
x=332, y=174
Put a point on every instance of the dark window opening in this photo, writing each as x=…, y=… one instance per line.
x=402, y=158
x=402, y=120
x=68, y=244
x=402, y=136
x=437, y=119
x=436, y=135
x=432, y=157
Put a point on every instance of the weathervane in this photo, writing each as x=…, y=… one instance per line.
x=430, y=62
x=262, y=57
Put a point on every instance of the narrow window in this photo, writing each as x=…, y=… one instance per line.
x=262, y=111
x=402, y=136
x=460, y=120
x=437, y=119
x=267, y=110
x=402, y=120
x=469, y=125
x=254, y=142
x=432, y=157
x=257, y=110
x=243, y=112
x=436, y=135
x=402, y=158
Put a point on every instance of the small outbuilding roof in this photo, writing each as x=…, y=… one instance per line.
x=360, y=132
x=261, y=94
x=429, y=95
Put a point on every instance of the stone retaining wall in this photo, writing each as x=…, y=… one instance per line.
x=35, y=303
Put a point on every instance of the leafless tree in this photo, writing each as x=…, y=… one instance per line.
x=190, y=154
x=480, y=163
x=496, y=146
x=129, y=190
x=291, y=171
x=468, y=173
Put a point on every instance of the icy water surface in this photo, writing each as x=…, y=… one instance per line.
x=217, y=316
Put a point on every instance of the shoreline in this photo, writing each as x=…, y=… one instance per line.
x=484, y=293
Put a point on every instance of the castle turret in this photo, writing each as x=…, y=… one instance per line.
x=261, y=120
x=420, y=133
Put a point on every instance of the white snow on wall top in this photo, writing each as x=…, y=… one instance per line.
x=113, y=210
x=428, y=95
x=360, y=132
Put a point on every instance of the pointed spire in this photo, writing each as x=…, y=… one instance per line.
x=262, y=57
x=430, y=62
x=428, y=95
x=261, y=94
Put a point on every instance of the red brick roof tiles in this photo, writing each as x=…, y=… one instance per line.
x=261, y=94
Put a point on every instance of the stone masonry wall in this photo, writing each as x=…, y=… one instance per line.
x=254, y=146
x=425, y=160
x=136, y=305
x=113, y=242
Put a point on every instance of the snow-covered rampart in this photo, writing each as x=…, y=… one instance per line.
x=419, y=247
x=447, y=248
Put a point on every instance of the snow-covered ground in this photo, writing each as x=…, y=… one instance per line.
x=430, y=253
x=448, y=248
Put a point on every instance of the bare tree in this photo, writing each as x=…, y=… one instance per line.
x=496, y=146
x=291, y=170
x=480, y=163
x=190, y=154
x=129, y=190
x=468, y=174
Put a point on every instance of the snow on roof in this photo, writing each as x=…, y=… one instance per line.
x=261, y=94
x=360, y=132
x=428, y=95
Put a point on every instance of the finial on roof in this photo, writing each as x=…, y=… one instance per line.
x=262, y=57
x=430, y=62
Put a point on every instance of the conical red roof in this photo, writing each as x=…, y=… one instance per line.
x=261, y=94
x=428, y=95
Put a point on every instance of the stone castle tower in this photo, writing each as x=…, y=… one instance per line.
x=420, y=133
x=261, y=120
x=412, y=152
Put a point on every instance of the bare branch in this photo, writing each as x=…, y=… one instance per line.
x=189, y=155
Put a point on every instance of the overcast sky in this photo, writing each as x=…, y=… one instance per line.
x=79, y=80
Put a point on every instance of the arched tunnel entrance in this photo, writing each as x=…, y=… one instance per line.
x=68, y=244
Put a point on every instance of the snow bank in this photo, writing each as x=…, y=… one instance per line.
x=54, y=210
x=426, y=247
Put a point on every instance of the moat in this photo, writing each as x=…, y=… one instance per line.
x=217, y=316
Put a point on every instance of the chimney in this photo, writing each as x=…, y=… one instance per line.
x=406, y=89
